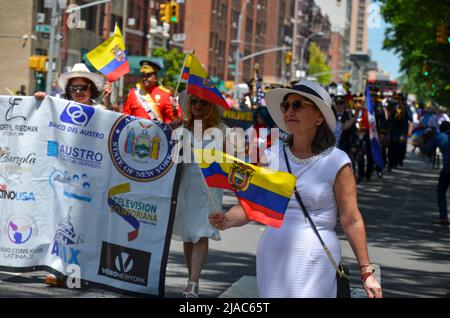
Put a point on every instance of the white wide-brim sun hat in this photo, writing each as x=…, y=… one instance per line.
x=81, y=70
x=311, y=90
x=183, y=101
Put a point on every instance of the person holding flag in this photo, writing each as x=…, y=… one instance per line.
x=84, y=87
x=299, y=259
x=203, y=106
x=150, y=100
x=195, y=201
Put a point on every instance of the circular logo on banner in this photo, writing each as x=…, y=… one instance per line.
x=141, y=150
x=20, y=229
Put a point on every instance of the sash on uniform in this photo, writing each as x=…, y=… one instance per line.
x=147, y=102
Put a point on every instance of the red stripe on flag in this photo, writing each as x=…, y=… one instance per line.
x=208, y=95
x=258, y=213
x=218, y=181
x=118, y=72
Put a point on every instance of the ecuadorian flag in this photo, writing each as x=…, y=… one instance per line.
x=110, y=58
x=200, y=85
x=186, y=68
x=264, y=194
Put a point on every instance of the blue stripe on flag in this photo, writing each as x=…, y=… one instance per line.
x=253, y=193
x=198, y=81
x=112, y=66
x=373, y=134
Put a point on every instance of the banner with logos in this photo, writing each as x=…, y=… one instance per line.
x=83, y=186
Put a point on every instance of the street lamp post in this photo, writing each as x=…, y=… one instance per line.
x=238, y=51
x=304, y=47
x=51, y=49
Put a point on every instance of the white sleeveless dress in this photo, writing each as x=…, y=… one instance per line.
x=290, y=261
x=194, y=204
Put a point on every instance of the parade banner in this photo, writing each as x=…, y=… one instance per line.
x=88, y=188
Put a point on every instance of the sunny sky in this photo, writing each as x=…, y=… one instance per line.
x=386, y=59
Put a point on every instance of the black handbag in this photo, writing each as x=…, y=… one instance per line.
x=342, y=272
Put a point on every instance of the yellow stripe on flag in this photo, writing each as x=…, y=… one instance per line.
x=196, y=67
x=103, y=54
x=278, y=182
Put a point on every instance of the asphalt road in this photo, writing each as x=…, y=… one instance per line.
x=412, y=253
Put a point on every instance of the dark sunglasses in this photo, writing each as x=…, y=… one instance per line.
x=80, y=88
x=296, y=105
x=202, y=102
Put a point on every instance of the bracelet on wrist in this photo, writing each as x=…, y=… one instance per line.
x=364, y=276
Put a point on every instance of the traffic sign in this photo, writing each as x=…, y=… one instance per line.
x=43, y=28
x=179, y=37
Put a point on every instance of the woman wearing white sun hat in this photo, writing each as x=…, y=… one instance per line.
x=291, y=262
x=84, y=87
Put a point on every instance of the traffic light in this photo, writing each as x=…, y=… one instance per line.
x=443, y=34
x=288, y=57
x=426, y=70
x=174, y=12
x=37, y=63
x=164, y=12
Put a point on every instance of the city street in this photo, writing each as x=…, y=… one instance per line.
x=413, y=253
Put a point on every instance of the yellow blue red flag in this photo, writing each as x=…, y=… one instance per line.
x=186, y=68
x=110, y=58
x=264, y=194
x=200, y=85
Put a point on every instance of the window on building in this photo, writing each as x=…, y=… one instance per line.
x=89, y=15
x=115, y=19
x=40, y=6
x=138, y=17
x=249, y=25
x=102, y=19
x=221, y=48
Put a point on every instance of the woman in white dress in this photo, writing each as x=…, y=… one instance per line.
x=194, y=203
x=291, y=262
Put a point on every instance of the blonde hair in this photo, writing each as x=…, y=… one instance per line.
x=212, y=119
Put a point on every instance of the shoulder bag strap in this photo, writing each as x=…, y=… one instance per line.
x=305, y=212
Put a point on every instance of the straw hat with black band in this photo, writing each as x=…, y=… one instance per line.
x=311, y=90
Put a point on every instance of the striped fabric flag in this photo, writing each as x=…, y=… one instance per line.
x=200, y=85
x=373, y=133
x=260, y=101
x=264, y=194
x=110, y=58
x=187, y=66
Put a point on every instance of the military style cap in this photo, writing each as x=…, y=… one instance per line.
x=148, y=66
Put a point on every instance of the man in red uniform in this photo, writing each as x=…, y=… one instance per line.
x=150, y=100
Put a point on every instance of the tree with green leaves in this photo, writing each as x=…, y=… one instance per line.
x=173, y=62
x=413, y=35
x=318, y=65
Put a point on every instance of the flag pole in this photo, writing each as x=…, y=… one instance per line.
x=181, y=72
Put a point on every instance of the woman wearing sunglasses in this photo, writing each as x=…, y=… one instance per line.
x=194, y=203
x=291, y=261
x=83, y=86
